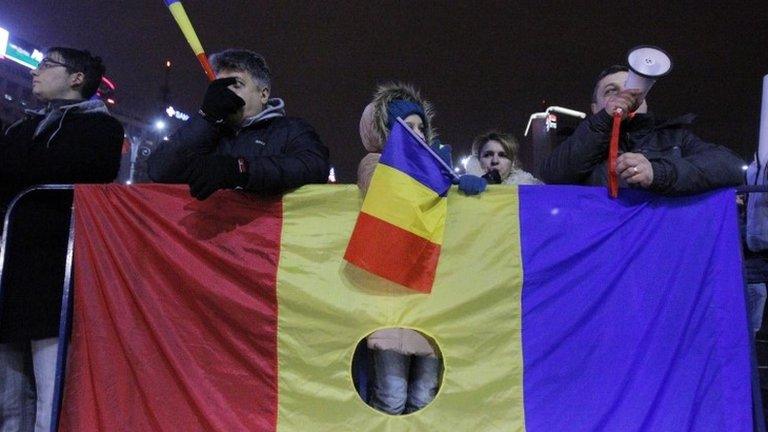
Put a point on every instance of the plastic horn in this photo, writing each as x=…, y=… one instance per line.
x=180, y=15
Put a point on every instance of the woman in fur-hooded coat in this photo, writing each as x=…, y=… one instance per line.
x=406, y=366
x=373, y=125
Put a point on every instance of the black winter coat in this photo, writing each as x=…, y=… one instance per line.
x=85, y=149
x=682, y=163
x=283, y=152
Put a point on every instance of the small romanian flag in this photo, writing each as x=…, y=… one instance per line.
x=399, y=231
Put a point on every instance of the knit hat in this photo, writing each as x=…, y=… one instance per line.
x=403, y=108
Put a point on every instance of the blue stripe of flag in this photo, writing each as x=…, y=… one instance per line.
x=635, y=320
x=404, y=153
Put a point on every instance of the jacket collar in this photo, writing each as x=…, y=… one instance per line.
x=84, y=106
x=275, y=108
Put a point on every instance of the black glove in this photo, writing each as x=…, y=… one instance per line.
x=492, y=177
x=220, y=102
x=207, y=174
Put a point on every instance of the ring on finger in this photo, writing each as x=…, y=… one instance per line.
x=635, y=169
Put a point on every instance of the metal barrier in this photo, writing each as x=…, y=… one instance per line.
x=66, y=300
x=756, y=391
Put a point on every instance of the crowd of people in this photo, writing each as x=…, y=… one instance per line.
x=241, y=138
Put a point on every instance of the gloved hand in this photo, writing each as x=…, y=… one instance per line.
x=471, y=184
x=220, y=102
x=492, y=177
x=207, y=174
x=442, y=150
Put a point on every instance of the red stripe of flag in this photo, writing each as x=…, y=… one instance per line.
x=175, y=316
x=408, y=260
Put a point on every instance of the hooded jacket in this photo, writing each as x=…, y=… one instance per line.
x=374, y=134
x=682, y=163
x=373, y=125
x=282, y=152
x=62, y=143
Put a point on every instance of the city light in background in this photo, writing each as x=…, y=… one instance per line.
x=172, y=112
x=3, y=41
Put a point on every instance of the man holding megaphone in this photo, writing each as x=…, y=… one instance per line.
x=666, y=158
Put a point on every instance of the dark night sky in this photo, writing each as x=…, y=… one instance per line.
x=483, y=64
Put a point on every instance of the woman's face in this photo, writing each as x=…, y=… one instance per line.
x=417, y=125
x=493, y=157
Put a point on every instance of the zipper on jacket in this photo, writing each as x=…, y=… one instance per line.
x=61, y=122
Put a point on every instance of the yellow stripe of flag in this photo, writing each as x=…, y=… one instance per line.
x=325, y=306
x=398, y=199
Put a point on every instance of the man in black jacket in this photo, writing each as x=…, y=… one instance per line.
x=241, y=138
x=666, y=158
x=73, y=139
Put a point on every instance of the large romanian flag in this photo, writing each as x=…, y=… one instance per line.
x=403, y=214
x=555, y=309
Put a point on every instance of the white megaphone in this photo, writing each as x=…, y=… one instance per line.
x=646, y=65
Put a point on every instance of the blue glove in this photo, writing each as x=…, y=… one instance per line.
x=471, y=184
x=442, y=150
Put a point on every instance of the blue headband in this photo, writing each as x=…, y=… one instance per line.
x=403, y=108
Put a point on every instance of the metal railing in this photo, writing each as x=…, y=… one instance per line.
x=66, y=299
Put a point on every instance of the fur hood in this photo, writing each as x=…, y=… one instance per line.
x=373, y=124
x=516, y=177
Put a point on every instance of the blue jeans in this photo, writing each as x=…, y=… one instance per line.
x=402, y=383
x=756, y=294
x=27, y=376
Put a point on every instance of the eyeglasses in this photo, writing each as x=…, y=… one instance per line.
x=47, y=63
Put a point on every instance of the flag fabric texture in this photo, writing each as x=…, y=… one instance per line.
x=400, y=228
x=554, y=308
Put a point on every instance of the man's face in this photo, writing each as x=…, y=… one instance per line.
x=250, y=91
x=51, y=80
x=609, y=86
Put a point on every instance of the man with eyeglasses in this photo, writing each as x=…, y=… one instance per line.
x=71, y=139
x=241, y=137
